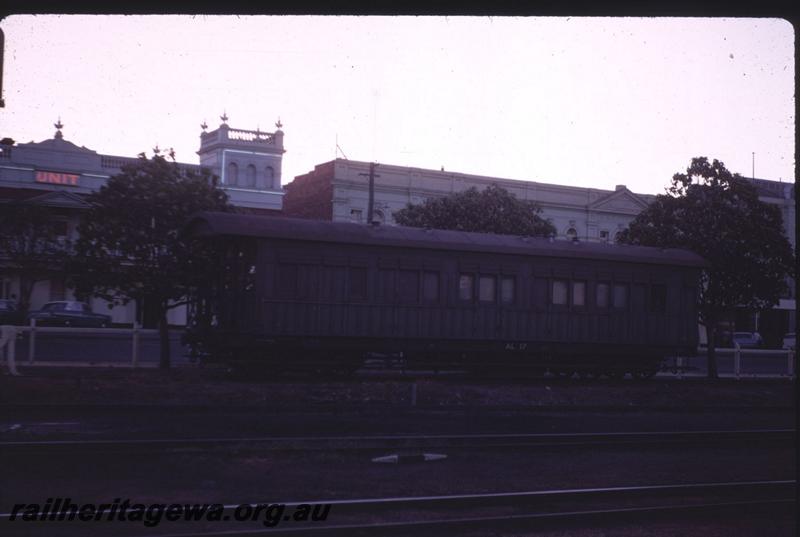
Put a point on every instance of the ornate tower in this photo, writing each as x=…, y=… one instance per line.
x=248, y=163
x=243, y=159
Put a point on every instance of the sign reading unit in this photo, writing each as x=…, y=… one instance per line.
x=57, y=178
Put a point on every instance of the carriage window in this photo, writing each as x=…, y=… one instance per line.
x=578, y=293
x=658, y=298
x=466, y=284
x=620, y=296
x=487, y=288
x=560, y=292
x=601, y=295
x=507, y=290
x=358, y=283
x=408, y=287
x=430, y=286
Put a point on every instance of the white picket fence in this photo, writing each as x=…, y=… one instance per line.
x=740, y=354
x=9, y=337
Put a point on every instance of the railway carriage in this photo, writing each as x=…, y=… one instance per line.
x=296, y=293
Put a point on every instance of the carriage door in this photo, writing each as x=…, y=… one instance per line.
x=496, y=296
x=507, y=296
x=489, y=316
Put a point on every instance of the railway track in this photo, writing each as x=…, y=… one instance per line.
x=506, y=510
x=407, y=442
x=374, y=407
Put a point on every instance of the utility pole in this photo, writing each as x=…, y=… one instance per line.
x=371, y=201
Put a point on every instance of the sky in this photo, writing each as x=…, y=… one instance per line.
x=590, y=102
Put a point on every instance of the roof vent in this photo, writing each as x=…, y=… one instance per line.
x=620, y=187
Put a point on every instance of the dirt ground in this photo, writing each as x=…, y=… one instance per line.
x=246, y=476
x=209, y=387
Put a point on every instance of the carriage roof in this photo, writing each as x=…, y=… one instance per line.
x=210, y=224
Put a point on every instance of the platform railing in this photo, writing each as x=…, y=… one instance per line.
x=681, y=364
x=737, y=357
x=10, y=334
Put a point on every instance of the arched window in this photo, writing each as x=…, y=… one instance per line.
x=572, y=234
x=232, y=175
x=270, y=176
x=250, y=176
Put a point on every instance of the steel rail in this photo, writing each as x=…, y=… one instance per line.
x=376, y=407
x=680, y=488
x=475, y=441
x=756, y=493
x=472, y=522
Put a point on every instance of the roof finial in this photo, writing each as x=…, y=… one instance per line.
x=224, y=117
x=156, y=150
x=203, y=125
x=58, y=126
x=278, y=123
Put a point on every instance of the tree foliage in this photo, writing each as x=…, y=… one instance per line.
x=30, y=246
x=492, y=210
x=130, y=246
x=718, y=215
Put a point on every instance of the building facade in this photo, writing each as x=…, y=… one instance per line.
x=248, y=164
x=782, y=318
x=338, y=190
x=59, y=174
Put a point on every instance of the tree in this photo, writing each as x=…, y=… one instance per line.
x=130, y=246
x=493, y=210
x=30, y=246
x=718, y=215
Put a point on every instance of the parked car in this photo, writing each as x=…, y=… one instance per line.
x=9, y=312
x=748, y=340
x=790, y=341
x=69, y=313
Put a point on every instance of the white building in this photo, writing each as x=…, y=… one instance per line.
x=59, y=174
x=338, y=190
